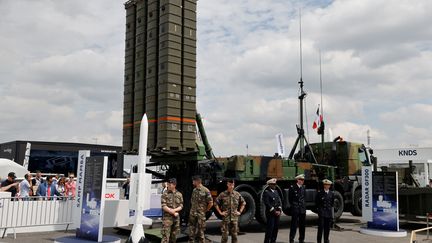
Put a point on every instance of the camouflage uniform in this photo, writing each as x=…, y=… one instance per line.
x=230, y=203
x=171, y=224
x=201, y=197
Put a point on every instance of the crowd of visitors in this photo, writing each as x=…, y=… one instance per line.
x=38, y=186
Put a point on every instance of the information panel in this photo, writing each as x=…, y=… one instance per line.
x=385, y=201
x=93, y=200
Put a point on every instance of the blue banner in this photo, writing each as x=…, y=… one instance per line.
x=91, y=225
x=385, y=201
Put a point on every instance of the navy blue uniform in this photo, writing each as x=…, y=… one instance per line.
x=324, y=203
x=273, y=205
x=298, y=212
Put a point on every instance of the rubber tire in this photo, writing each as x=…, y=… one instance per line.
x=357, y=206
x=260, y=214
x=216, y=213
x=249, y=211
x=338, y=205
x=209, y=214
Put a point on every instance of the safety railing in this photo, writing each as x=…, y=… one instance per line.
x=34, y=211
x=413, y=238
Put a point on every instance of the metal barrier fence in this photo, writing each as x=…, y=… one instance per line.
x=35, y=211
x=413, y=238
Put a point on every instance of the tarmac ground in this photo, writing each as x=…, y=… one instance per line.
x=255, y=232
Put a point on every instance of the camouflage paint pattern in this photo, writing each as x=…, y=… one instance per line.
x=252, y=168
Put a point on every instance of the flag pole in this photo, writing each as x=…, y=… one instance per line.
x=322, y=112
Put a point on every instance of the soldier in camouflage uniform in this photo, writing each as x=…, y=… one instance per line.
x=230, y=204
x=201, y=202
x=172, y=204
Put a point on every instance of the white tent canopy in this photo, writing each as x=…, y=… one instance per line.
x=7, y=166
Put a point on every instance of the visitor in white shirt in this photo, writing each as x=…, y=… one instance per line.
x=25, y=187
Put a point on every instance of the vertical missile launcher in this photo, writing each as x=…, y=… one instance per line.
x=160, y=80
x=160, y=74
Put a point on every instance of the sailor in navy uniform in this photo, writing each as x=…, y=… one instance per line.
x=324, y=203
x=296, y=198
x=273, y=210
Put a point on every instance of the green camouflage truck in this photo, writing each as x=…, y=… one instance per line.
x=348, y=158
x=341, y=163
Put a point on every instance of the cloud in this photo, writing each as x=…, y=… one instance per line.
x=61, y=71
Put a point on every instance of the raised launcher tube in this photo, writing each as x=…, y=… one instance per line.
x=208, y=149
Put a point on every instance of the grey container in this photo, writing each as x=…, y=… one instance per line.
x=173, y=2
x=168, y=137
x=189, y=81
x=169, y=88
x=189, y=56
x=189, y=33
x=170, y=78
x=171, y=38
x=170, y=28
x=190, y=15
x=189, y=90
x=169, y=59
x=169, y=45
x=189, y=71
x=189, y=63
x=128, y=105
x=189, y=42
x=190, y=5
x=192, y=24
x=171, y=18
x=168, y=67
x=189, y=49
x=170, y=52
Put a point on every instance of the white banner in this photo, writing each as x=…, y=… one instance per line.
x=367, y=193
x=280, y=144
x=82, y=155
x=27, y=156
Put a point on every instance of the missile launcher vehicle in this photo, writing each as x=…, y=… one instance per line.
x=160, y=80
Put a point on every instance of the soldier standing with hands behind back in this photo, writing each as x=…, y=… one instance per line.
x=172, y=204
x=324, y=202
x=273, y=210
x=227, y=205
x=201, y=202
x=298, y=209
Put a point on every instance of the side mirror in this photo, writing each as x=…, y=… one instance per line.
x=373, y=160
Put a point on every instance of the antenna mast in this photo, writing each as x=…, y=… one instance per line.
x=300, y=128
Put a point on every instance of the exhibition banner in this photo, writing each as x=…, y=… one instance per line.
x=367, y=193
x=385, y=201
x=93, y=200
x=82, y=156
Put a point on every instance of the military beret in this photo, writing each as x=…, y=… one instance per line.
x=196, y=177
x=271, y=181
x=172, y=181
x=327, y=182
x=300, y=177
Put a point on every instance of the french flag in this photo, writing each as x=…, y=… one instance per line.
x=318, y=119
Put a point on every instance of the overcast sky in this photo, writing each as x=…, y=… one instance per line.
x=61, y=71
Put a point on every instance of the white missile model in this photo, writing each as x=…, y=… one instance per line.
x=140, y=183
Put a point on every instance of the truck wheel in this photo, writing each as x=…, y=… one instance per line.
x=209, y=214
x=260, y=215
x=216, y=213
x=357, y=207
x=338, y=205
x=249, y=211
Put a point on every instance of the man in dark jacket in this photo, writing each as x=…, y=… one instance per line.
x=273, y=209
x=324, y=202
x=296, y=198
